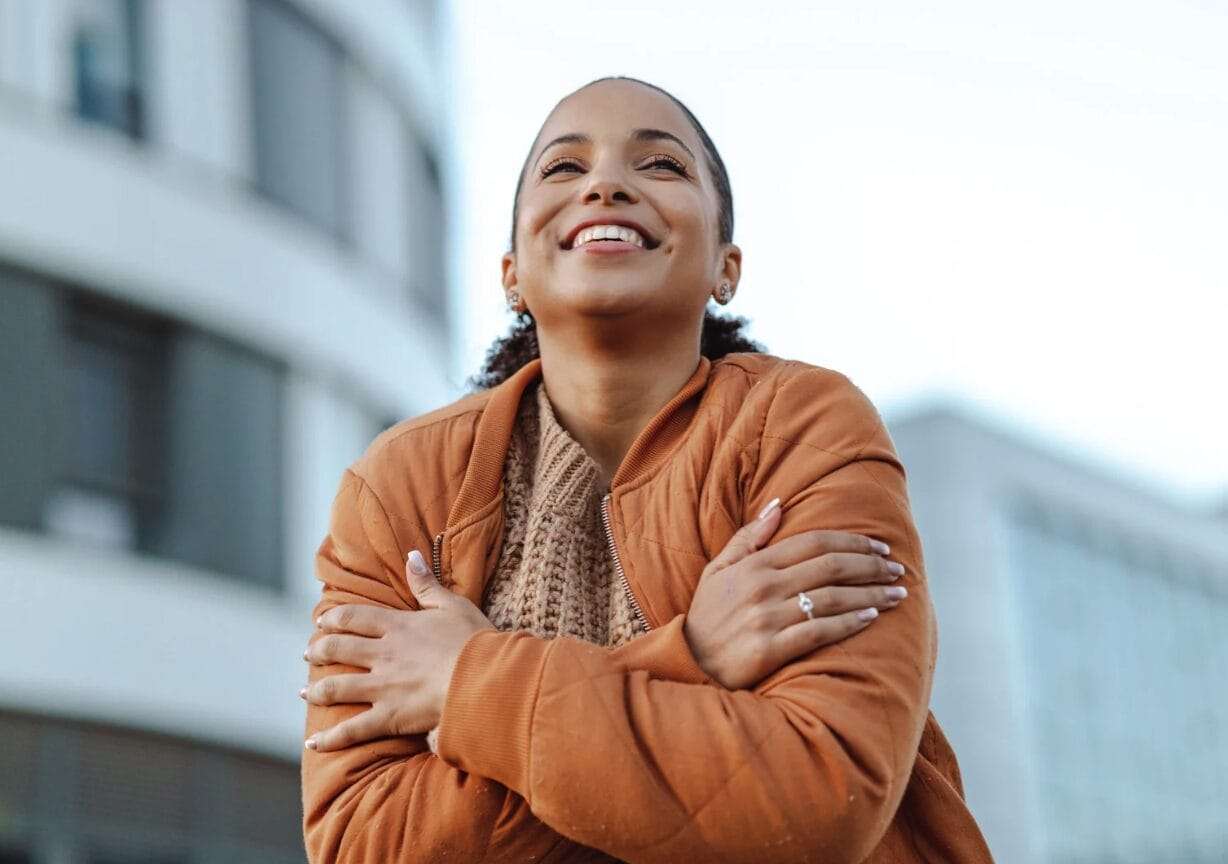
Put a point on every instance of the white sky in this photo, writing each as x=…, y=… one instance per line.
x=1021, y=207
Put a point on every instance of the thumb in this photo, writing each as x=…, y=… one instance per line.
x=749, y=538
x=427, y=590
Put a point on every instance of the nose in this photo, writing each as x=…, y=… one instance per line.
x=607, y=183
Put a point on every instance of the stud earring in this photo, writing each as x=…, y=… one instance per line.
x=513, y=301
x=723, y=294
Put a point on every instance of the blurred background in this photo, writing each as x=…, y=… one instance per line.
x=238, y=238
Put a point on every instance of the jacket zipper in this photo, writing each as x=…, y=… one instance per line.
x=435, y=547
x=618, y=566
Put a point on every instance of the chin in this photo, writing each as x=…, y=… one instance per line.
x=611, y=300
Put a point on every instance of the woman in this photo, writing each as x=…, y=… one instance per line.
x=678, y=699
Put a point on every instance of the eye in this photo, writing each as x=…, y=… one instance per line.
x=669, y=162
x=557, y=164
x=661, y=159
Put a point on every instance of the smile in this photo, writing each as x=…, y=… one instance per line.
x=606, y=233
x=615, y=235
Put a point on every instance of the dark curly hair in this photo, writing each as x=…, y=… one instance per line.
x=720, y=335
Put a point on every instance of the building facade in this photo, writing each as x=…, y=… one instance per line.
x=222, y=273
x=1083, y=643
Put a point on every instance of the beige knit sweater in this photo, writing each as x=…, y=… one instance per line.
x=555, y=575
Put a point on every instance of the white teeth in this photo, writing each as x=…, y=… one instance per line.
x=608, y=232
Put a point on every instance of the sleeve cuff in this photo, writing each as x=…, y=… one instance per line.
x=487, y=721
x=664, y=653
x=486, y=724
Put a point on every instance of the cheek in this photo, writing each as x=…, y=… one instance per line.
x=536, y=212
x=692, y=225
x=537, y=252
x=691, y=243
x=533, y=219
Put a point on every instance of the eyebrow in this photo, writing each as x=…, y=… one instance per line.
x=636, y=135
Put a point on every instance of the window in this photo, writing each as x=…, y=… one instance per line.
x=298, y=106
x=129, y=430
x=1121, y=649
x=105, y=795
x=223, y=445
x=112, y=472
x=30, y=370
x=426, y=229
x=108, y=71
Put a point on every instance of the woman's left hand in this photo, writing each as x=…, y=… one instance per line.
x=410, y=655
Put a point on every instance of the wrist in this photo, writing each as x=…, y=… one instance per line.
x=693, y=647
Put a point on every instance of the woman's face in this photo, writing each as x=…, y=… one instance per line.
x=613, y=152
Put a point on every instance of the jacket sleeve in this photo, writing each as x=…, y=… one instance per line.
x=810, y=765
x=391, y=800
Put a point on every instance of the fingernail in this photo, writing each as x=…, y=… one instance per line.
x=417, y=563
x=896, y=567
x=899, y=592
x=868, y=614
x=302, y=694
x=310, y=743
x=880, y=547
x=768, y=508
x=305, y=657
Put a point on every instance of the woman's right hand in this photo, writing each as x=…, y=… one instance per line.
x=745, y=622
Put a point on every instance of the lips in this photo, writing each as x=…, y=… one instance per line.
x=650, y=242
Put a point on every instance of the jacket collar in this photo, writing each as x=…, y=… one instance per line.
x=484, y=474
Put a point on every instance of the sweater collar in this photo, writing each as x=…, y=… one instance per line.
x=565, y=476
x=484, y=474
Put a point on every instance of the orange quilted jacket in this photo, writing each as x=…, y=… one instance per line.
x=551, y=749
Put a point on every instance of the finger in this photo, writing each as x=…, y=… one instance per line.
x=833, y=601
x=427, y=590
x=342, y=648
x=337, y=689
x=811, y=544
x=749, y=538
x=357, y=729
x=359, y=618
x=843, y=568
x=800, y=639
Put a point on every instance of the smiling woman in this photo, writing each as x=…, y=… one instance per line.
x=646, y=629
x=719, y=335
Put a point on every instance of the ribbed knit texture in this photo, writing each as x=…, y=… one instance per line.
x=555, y=574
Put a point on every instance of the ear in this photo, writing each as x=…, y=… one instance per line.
x=509, y=270
x=730, y=269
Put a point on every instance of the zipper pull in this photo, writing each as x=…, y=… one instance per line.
x=436, y=550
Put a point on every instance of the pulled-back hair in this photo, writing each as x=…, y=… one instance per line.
x=720, y=335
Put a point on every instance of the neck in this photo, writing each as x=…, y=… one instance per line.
x=605, y=398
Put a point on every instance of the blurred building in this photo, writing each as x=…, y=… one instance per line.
x=222, y=230
x=1083, y=643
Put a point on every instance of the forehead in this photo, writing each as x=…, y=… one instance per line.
x=611, y=110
